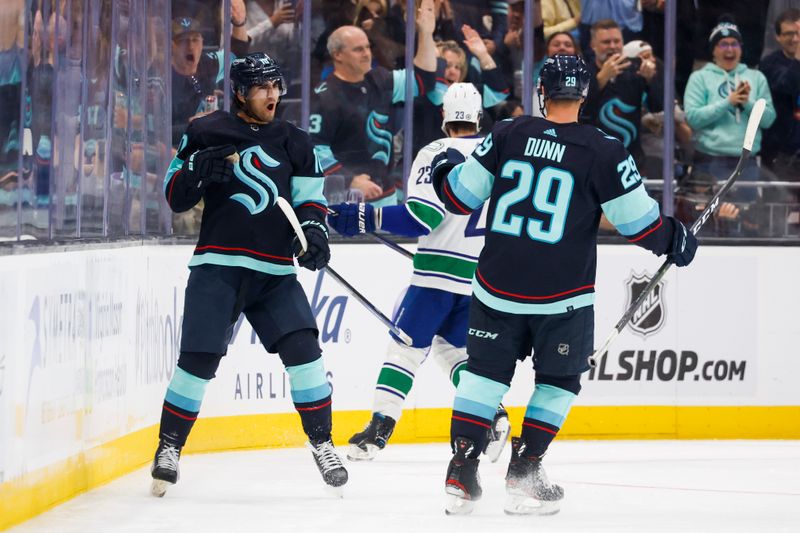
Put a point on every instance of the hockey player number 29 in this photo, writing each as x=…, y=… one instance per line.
x=550, y=192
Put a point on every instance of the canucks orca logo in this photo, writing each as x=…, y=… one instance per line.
x=249, y=171
x=611, y=116
x=377, y=133
x=649, y=318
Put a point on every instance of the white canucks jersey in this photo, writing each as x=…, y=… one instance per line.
x=446, y=258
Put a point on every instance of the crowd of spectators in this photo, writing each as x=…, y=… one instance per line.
x=729, y=54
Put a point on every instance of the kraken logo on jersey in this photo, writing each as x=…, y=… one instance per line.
x=248, y=171
x=649, y=318
x=612, y=120
x=376, y=123
x=726, y=88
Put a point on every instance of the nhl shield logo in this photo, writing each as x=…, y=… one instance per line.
x=649, y=318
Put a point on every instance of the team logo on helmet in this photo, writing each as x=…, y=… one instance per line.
x=649, y=318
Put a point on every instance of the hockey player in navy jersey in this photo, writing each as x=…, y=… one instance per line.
x=434, y=308
x=243, y=261
x=547, y=181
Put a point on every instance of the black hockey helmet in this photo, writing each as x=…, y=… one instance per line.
x=252, y=70
x=564, y=78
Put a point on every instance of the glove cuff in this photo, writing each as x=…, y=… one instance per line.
x=378, y=218
x=315, y=224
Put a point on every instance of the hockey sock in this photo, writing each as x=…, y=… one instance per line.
x=451, y=360
x=547, y=410
x=396, y=378
x=181, y=406
x=311, y=394
x=476, y=402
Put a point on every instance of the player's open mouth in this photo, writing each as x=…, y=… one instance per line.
x=271, y=106
x=190, y=58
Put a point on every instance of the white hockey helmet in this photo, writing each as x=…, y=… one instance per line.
x=462, y=103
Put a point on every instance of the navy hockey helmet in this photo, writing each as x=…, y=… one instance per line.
x=564, y=78
x=253, y=70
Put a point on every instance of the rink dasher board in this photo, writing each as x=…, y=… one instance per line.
x=90, y=339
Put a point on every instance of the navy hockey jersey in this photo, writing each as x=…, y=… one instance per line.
x=238, y=227
x=617, y=108
x=351, y=122
x=547, y=185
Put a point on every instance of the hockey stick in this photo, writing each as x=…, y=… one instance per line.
x=393, y=245
x=290, y=215
x=711, y=208
x=384, y=240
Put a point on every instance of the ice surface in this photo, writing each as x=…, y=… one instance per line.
x=642, y=486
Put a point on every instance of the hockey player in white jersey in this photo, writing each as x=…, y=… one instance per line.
x=435, y=306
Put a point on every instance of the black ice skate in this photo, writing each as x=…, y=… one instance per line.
x=463, y=484
x=528, y=491
x=329, y=464
x=165, y=470
x=498, y=435
x=364, y=446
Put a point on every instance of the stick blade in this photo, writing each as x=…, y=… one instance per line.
x=753, y=123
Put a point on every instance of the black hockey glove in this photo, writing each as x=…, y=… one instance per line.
x=684, y=244
x=352, y=219
x=441, y=165
x=318, y=253
x=209, y=166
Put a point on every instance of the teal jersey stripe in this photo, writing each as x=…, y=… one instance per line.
x=311, y=395
x=550, y=404
x=307, y=376
x=424, y=214
x=480, y=390
x=179, y=400
x=436, y=95
x=554, y=308
x=474, y=408
x=210, y=258
x=325, y=156
x=454, y=266
x=307, y=189
x=471, y=183
x=174, y=166
x=220, y=56
x=187, y=385
x=631, y=212
x=491, y=97
x=399, y=86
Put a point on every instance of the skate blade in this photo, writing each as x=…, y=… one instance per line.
x=159, y=487
x=456, y=503
x=355, y=453
x=495, y=448
x=525, y=505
